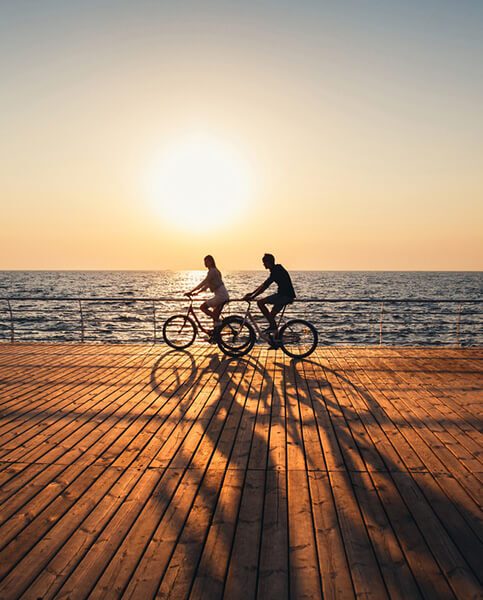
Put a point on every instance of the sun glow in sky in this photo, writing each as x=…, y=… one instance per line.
x=200, y=184
x=335, y=135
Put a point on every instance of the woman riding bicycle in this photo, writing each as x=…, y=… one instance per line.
x=214, y=282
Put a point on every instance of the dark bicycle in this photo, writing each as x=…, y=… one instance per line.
x=296, y=337
x=180, y=331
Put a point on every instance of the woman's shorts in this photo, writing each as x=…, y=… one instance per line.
x=221, y=296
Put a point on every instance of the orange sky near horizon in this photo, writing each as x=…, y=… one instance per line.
x=338, y=144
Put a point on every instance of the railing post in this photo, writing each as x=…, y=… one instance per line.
x=81, y=320
x=380, y=324
x=12, y=329
x=458, y=326
x=154, y=321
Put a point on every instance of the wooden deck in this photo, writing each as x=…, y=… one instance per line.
x=136, y=471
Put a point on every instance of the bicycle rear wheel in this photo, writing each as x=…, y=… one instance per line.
x=235, y=336
x=179, y=332
x=298, y=338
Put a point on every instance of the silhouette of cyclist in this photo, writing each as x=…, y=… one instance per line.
x=213, y=281
x=285, y=294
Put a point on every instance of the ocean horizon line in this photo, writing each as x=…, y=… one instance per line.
x=170, y=270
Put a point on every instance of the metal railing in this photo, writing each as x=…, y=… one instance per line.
x=417, y=321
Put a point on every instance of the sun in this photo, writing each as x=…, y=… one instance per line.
x=200, y=183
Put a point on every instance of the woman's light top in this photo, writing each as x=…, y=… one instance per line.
x=213, y=280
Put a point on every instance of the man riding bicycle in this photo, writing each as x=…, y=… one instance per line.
x=285, y=294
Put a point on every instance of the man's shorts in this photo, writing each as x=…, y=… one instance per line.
x=278, y=300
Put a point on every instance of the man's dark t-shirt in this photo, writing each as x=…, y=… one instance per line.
x=280, y=276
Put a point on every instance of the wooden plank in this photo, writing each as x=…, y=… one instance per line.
x=461, y=383
x=303, y=559
x=182, y=567
x=213, y=564
x=15, y=562
x=397, y=576
x=185, y=474
x=210, y=573
x=34, y=481
x=364, y=568
x=150, y=560
x=14, y=477
x=242, y=574
x=50, y=579
x=334, y=569
x=377, y=450
x=245, y=437
x=348, y=445
x=133, y=539
x=463, y=536
x=39, y=397
x=106, y=568
x=320, y=395
x=450, y=418
x=425, y=569
x=354, y=401
x=273, y=569
x=51, y=422
x=259, y=451
x=375, y=405
x=427, y=414
x=42, y=481
x=102, y=411
x=425, y=444
x=465, y=505
x=30, y=504
x=456, y=570
x=314, y=455
x=55, y=375
x=76, y=549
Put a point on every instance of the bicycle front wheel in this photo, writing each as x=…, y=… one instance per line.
x=298, y=338
x=179, y=332
x=235, y=336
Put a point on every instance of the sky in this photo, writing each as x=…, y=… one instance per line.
x=336, y=135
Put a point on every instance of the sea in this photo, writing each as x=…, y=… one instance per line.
x=347, y=307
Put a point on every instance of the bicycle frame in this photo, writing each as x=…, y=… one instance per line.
x=249, y=317
x=192, y=313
